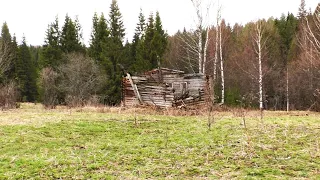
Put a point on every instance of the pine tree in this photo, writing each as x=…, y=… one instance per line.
x=26, y=73
x=138, y=35
x=140, y=29
x=151, y=47
x=145, y=56
x=142, y=63
x=94, y=41
x=160, y=39
x=126, y=62
x=15, y=50
x=7, y=54
x=5, y=34
x=151, y=55
x=112, y=54
x=116, y=24
x=70, y=39
x=51, y=55
x=99, y=36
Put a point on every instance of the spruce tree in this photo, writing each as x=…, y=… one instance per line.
x=116, y=24
x=26, y=74
x=145, y=56
x=94, y=41
x=51, y=55
x=15, y=50
x=138, y=35
x=112, y=55
x=142, y=63
x=5, y=34
x=151, y=54
x=70, y=39
x=7, y=54
x=160, y=39
x=152, y=45
x=99, y=36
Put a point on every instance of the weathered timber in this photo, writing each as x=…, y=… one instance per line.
x=135, y=88
x=165, y=88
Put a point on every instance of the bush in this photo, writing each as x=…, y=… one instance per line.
x=8, y=95
x=49, y=87
x=81, y=79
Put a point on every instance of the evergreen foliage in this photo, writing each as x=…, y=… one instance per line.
x=112, y=53
x=99, y=36
x=138, y=35
x=52, y=51
x=291, y=45
x=26, y=74
x=7, y=54
x=151, y=47
x=71, y=36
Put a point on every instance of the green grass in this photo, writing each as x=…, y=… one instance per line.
x=53, y=144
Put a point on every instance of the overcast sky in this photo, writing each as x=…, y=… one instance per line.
x=31, y=17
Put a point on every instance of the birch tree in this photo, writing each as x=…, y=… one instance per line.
x=216, y=45
x=221, y=64
x=196, y=44
x=313, y=33
x=259, y=44
x=199, y=29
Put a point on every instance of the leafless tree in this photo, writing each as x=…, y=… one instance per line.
x=49, y=87
x=306, y=70
x=193, y=42
x=8, y=90
x=314, y=33
x=259, y=43
x=8, y=95
x=80, y=79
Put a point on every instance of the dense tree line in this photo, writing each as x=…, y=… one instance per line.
x=274, y=62
x=65, y=71
x=289, y=53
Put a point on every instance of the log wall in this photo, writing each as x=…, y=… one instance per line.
x=165, y=89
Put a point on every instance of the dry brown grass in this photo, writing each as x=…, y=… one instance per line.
x=37, y=114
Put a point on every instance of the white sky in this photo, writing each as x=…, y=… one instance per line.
x=31, y=17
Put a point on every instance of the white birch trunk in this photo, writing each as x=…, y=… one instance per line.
x=216, y=53
x=258, y=41
x=200, y=51
x=205, y=51
x=287, y=89
x=222, y=66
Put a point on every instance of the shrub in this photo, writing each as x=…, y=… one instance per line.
x=80, y=79
x=8, y=95
x=49, y=87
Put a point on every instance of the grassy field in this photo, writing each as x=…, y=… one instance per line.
x=110, y=144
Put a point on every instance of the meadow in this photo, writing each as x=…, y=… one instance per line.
x=115, y=143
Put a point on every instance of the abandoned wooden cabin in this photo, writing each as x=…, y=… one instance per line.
x=164, y=87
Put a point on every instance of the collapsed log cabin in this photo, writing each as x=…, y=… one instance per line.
x=164, y=87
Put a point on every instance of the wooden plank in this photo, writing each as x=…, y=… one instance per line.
x=135, y=89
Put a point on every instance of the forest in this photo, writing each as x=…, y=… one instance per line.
x=268, y=64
